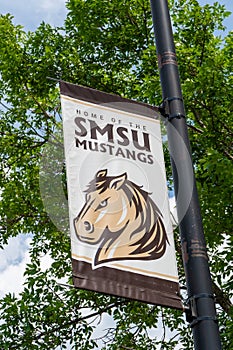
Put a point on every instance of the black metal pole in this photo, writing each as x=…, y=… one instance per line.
x=199, y=285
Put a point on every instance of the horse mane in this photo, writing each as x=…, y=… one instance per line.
x=153, y=239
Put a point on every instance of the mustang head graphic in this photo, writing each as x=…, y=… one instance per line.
x=121, y=219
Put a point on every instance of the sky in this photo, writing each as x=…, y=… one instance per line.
x=229, y=6
x=29, y=14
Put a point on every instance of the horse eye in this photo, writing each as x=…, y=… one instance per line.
x=102, y=204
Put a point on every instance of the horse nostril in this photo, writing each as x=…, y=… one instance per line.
x=88, y=226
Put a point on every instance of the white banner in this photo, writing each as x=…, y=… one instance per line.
x=117, y=191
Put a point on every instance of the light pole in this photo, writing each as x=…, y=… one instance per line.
x=200, y=296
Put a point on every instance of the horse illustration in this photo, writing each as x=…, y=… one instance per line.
x=121, y=219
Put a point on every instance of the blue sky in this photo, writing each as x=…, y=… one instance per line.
x=30, y=13
x=229, y=6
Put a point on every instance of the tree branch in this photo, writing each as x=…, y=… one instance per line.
x=222, y=299
x=197, y=117
x=37, y=102
x=190, y=126
x=228, y=155
x=77, y=320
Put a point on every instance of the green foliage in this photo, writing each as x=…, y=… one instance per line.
x=108, y=45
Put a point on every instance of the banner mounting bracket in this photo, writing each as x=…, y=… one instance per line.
x=165, y=108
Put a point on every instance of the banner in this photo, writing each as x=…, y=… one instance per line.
x=121, y=233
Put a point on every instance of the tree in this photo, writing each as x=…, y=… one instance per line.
x=108, y=46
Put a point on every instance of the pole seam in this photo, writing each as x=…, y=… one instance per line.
x=203, y=318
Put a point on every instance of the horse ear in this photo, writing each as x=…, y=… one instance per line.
x=118, y=181
x=101, y=173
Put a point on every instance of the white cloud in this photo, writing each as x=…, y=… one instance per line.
x=51, y=5
x=30, y=13
x=13, y=260
x=14, y=252
x=52, y=12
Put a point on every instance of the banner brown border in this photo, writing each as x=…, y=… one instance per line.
x=117, y=102
x=127, y=284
